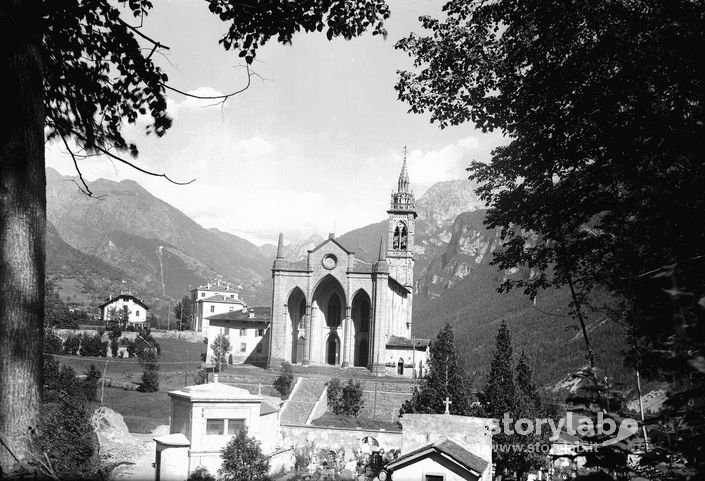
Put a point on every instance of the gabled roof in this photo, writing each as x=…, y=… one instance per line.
x=218, y=298
x=398, y=341
x=266, y=408
x=448, y=448
x=261, y=314
x=125, y=297
x=331, y=239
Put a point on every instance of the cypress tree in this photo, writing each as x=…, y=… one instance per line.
x=499, y=394
x=445, y=378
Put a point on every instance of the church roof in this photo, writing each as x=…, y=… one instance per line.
x=449, y=449
x=398, y=341
x=331, y=238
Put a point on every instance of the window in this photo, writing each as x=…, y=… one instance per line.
x=203, y=294
x=333, y=317
x=215, y=427
x=227, y=332
x=137, y=313
x=243, y=332
x=260, y=332
x=212, y=308
x=434, y=477
x=231, y=308
x=234, y=426
x=232, y=296
x=243, y=347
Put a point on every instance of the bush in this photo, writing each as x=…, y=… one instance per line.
x=66, y=437
x=52, y=343
x=285, y=380
x=200, y=474
x=243, y=459
x=72, y=344
x=90, y=383
x=200, y=377
x=345, y=400
x=150, y=381
x=92, y=345
x=114, y=347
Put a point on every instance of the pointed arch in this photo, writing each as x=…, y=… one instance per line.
x=333, y=349
x=330, y=297
x=361, y=314
x=296, y=310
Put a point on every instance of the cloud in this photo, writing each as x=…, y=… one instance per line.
x=449, y=162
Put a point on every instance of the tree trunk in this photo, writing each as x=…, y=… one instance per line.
x=22, y=229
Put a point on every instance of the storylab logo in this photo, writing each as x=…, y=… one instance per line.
x=602, y=427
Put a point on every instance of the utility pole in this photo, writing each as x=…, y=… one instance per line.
x=186, y=368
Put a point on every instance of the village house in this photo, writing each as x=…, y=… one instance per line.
x=204, y=418
x=136, y=309
x=247, y=331
x=211, y=299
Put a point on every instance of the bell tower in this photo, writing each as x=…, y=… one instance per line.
x=400, y=231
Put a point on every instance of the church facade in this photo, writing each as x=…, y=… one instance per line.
x=334, y=309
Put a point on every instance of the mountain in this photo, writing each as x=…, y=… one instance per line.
x=159, y=250
x=128, y=239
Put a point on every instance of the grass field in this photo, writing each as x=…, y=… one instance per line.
x=178, y=363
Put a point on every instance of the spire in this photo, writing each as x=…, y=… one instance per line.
x=280, y=246
x=403, y=185
x=381, y=249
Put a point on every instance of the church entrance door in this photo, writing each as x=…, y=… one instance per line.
x=333, y=350
x=300, y=350
x=362, y=354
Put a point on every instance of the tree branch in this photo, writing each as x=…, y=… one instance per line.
x=151, y=40
x=223, y=97
x=86, y=190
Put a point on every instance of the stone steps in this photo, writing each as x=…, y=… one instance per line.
x=302, y=400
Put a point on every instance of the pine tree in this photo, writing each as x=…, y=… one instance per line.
x=499, y=394
x=445, y=379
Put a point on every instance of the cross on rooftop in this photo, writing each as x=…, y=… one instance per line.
x=447, y=402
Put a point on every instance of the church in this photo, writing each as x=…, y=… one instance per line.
x=334, y=309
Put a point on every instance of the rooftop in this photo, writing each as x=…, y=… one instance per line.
x=398, y=341
x=253, y=314
x=447, y=447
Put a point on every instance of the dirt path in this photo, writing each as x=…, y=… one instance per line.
x=141, y=468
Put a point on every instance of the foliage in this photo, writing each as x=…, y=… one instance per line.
x=285, y=380
x=114, y=347
x=72, y=344
x=52, y=343
x=345, y=400
x=445, y=379
x=182, y=311
x=512, y=392
x=92, y=345
x=67, y=437
x=56, y=312
x=243, y=459
x=220, y=347
x=200, y=474
x=90, y=383
x=148, y=354
x=602, y=105
x=118, y=318
x=200, y=376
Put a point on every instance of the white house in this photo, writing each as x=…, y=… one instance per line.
x=136, y=309
x=443, y=447
x=204, y=419
x=247, y=331
x=212, y=299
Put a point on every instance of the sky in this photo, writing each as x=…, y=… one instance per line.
x=313, y=146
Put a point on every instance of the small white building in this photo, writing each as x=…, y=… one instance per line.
x=136, y=309
x=203, y=420
x=215, y=303
x=406, y=357
x=443, y=447
x=247, y=330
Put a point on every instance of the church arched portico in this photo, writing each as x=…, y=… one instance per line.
x=296, y=312
x=361, y=312
x=328, y=319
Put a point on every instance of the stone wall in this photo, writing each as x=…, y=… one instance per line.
x=347, y=438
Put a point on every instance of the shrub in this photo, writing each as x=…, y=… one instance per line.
x=200, y=474
x=90, y=383
x=52, y=343
x=285, y=380
x=72, y=344
x=114, y=347
x=200, y=377
x=345, y=400
x=243, y=459
x=92, y=345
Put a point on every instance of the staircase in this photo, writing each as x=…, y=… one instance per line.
x=302, y=400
